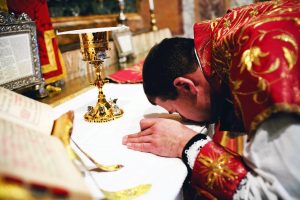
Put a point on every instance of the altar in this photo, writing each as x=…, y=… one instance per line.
x=103, y=142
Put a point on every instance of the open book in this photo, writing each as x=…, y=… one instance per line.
x=29, y=155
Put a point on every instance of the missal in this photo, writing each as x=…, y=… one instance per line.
x=29, y=155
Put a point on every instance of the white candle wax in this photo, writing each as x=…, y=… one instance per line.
x=151, y=4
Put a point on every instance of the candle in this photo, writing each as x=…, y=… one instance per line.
x=151, y=4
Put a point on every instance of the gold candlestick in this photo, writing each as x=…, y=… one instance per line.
x=93, y=49
x=93, y=46
x=153, y=21
x=121, y=19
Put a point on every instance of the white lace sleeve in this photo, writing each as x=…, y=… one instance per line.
x=193, y=150
x=273, y=156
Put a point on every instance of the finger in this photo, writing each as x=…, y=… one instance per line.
x=136, y=135
x=147, y=123
x=141, y=133
x=142, y=139
x=144, y=147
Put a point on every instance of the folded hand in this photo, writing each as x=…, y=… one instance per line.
x=163, y=137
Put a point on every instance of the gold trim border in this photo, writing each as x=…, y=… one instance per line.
x=276, y=108
x=53, y=65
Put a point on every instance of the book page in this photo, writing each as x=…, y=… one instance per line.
x=15, y=57
x=38, y=159
x=25, y=111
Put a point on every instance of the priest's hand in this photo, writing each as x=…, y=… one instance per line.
x=163, y=137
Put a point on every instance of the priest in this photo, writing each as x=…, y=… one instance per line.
x=241, y=73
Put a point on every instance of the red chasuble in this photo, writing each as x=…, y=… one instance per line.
x=251, y=58
x=52, y=64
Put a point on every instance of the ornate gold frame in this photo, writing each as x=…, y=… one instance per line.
x=22, y=26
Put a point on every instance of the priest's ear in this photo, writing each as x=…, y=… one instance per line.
x=185, y=85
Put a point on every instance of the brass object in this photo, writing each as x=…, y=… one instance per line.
x=93, y=48
x=52, y=88
x=153, y=21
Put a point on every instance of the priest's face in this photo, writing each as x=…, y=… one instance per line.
x=189, y=106
x=194, y=98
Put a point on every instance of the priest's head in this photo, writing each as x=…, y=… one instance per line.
x=173, y=79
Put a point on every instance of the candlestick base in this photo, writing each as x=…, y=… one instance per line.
x=104, y=110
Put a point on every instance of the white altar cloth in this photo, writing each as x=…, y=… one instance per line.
x=103, y=142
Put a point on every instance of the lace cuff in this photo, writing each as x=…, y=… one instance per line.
x=192, y=149
x=242, y=190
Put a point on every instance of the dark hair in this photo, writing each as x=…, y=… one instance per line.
x=166, y=61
